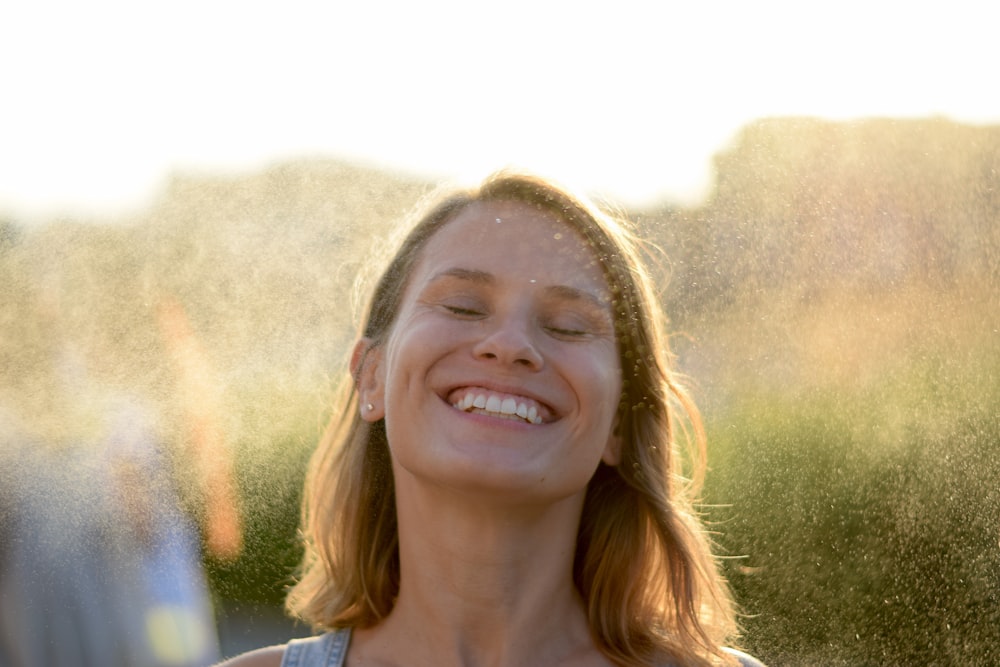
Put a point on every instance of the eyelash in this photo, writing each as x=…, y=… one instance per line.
x=572, y=333
x=464, y=312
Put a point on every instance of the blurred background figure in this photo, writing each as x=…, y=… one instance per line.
x=101, y=558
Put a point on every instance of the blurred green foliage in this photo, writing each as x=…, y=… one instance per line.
x=856, y=551
x=270, y=484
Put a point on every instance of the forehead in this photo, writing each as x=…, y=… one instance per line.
x=512, y=236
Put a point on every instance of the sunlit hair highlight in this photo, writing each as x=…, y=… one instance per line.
x=643, y=562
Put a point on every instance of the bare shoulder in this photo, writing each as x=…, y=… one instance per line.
x=263, y=657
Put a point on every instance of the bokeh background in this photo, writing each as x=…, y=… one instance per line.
x=189, y=193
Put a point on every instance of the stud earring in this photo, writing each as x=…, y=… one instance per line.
x=369, y=407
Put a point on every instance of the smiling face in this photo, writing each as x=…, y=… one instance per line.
x=501, y=371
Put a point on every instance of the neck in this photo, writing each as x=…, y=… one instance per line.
x=486, y=583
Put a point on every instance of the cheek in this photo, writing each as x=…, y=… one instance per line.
x=410, y=357
x=613, y=398
x=603, y=385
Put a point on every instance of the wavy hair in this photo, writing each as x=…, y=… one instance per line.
x=643, y=563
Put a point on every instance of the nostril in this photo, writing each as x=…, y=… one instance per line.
x=508, y=347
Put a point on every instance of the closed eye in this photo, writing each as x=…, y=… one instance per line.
x=464, y=312
x=571, y=333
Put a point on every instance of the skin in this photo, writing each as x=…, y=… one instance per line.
x=505, y=307
x=489, y=506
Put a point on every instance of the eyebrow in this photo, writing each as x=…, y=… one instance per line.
x=560, y=291
x=471, y=275
x=574, y=294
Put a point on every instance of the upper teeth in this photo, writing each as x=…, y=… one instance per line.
x=493, y=404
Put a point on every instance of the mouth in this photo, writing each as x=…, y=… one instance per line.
x=496, y=404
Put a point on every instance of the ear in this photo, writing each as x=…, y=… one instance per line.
x=366, y=369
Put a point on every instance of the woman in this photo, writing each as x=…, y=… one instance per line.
x=503, y=483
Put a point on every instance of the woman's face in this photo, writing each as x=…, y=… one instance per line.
x=501, y=372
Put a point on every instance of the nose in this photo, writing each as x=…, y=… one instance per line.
x=509, y=342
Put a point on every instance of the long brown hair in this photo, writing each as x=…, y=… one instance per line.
x=643, y=564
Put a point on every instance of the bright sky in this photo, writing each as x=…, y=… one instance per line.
x=103, y=100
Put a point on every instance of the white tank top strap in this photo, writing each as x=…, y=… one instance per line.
x=326, y=650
